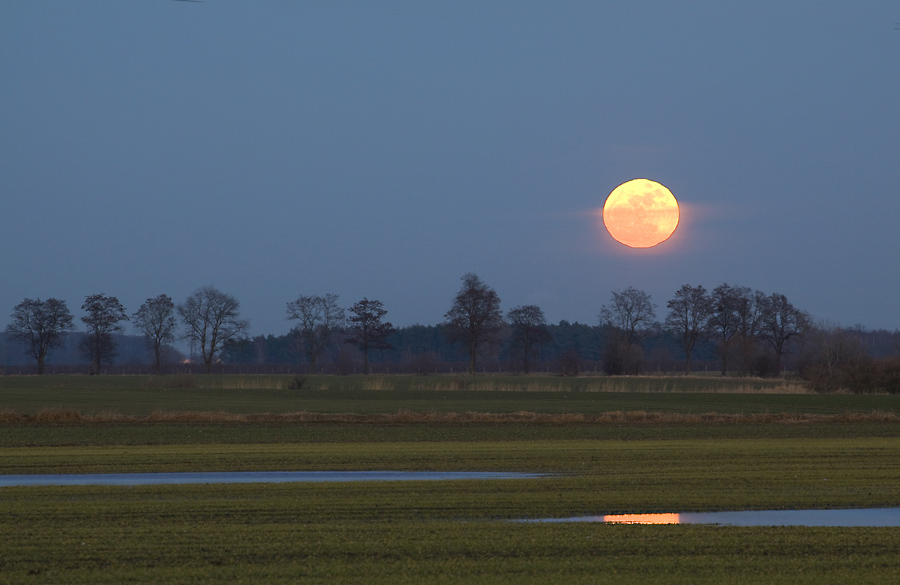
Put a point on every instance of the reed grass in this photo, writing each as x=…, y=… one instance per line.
x=246, y=394
x=62, y=416
x=436, y=383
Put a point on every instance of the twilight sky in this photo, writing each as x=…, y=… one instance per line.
x=384, y=148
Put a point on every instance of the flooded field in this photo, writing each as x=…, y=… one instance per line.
x=871, y=517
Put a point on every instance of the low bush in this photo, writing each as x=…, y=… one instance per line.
x=861, y=376
x=297, y=383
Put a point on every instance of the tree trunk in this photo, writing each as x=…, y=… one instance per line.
x=688, y=351
x=157, y=360
x=526, y=367
x=97, y=357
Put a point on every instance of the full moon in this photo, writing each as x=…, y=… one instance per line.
x=640, y=213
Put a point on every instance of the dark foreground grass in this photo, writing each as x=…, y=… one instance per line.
x=170, y=551
x=181, y=550
x=452, y=532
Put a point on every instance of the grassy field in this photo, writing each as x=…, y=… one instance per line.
x=144, y=395
x=442, y=532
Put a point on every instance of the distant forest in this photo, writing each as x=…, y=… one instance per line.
x=416, y=349
x=730, y=330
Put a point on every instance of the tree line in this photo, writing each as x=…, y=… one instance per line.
x=737, y=329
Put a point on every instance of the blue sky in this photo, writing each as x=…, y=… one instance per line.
x=385, y=148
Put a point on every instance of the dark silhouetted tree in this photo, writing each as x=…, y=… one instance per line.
x=781, y=322
x=569, y=363
x=724, y=322
x=630, y=317
x=829, y=352
x=40, y=325
x=529, y=332
x=156, y=320
x=632, y=312
x=688, y=318
x=474, y=319
x=212, y=318
x=367, y=330
x=749, y=312
x=102, y=320
x=319, y=318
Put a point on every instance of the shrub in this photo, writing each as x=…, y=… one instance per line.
x=298, y=383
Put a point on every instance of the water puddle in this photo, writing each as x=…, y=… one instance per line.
x=251, y=477
x=868, y=517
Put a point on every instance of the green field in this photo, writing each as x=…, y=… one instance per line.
x=443, y=532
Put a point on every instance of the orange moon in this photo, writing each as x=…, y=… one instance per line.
x=641, y=213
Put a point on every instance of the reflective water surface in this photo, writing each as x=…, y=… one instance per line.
x=860, y=517
x=250, y=477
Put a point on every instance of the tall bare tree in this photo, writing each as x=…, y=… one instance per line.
x=632, y=312
x=156, y=320
x=689, y=313
x=320, y=318
x=102, y=320
x=631, y=317
x=749, y=310
x=781, y=322
x=474, y=318
x=40, y=325
x=212, y=318
x=724, y=321
x=367, y=330
x=529, y=332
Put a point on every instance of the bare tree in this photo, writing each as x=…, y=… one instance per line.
x=156, y=320
x=631, y=312
x=830, y=350
x=319, y=318
x=367, y=330
x=724, y=321
x=529, y=331
x=212, y=318
x=630, y=317
x=474, y=318
x=781, y=322
x=688, y=318
x=749, y=311
x=102, y=320
x=41, y=325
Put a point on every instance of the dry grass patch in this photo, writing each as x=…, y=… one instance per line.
x=58, y=415
x=195, y=417
x=7, y=415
